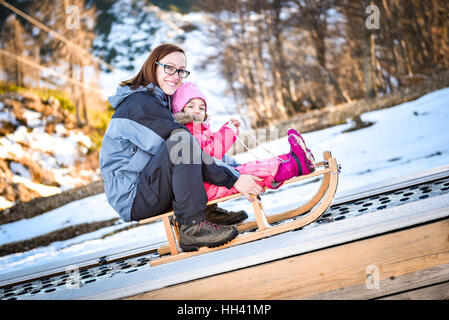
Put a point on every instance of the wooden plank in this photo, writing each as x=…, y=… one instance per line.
x=261, y=220
x=407, y=282
x=396, y=255
x=435, y=292
x=170, y=237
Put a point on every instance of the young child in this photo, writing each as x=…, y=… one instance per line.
x=189, y=107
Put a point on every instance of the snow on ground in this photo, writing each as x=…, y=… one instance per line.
x=404, y=139
x=56, y=152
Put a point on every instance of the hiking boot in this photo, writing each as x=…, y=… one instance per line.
x=221, y=216
x=205, y=233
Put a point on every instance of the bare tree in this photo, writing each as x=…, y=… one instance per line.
x=280, y=57
x=13, y=41
x=72, y=20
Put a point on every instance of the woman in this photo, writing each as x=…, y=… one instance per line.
x=150, y=163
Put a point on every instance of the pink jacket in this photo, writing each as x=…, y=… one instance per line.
x=216, y=144
x=265, y=169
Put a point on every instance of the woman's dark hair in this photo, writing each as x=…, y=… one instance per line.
x=147, y=73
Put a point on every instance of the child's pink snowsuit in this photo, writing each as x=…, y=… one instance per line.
x=265, y=169
x=216, y=144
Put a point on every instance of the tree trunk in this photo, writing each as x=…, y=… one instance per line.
x=83, y=99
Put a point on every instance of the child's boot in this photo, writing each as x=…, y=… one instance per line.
x=302, y=143
x=287, y=170
x=304, y=164
x=296, y=163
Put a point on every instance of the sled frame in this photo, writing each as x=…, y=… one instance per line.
x=300, y=217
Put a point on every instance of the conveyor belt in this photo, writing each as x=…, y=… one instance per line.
x=105, y=268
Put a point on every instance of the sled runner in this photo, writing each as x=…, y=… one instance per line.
x=263, y=226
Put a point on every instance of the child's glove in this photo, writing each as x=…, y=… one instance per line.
x=233, y=124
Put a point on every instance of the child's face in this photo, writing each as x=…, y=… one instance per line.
x=196, y=107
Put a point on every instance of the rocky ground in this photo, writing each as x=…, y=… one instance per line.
x=42, y=151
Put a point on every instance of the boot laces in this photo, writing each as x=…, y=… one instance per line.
x=210, y=224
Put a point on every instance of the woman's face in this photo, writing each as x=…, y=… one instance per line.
x=170, y=83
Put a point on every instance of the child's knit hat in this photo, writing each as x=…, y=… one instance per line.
x=186, y=92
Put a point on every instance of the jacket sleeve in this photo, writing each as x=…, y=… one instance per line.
x=219, y=173
x=123, y=131
x=143, y=122
x=216, y=144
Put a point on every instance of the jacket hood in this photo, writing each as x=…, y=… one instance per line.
x=185, y=118
x=123, y=92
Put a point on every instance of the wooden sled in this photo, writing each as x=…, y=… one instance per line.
x=309, y=212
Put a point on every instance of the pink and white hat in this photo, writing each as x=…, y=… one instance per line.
x=186, y=92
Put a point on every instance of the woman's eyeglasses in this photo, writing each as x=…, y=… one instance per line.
x=171, y=70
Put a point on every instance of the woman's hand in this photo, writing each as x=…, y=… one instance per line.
x=246, y=184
